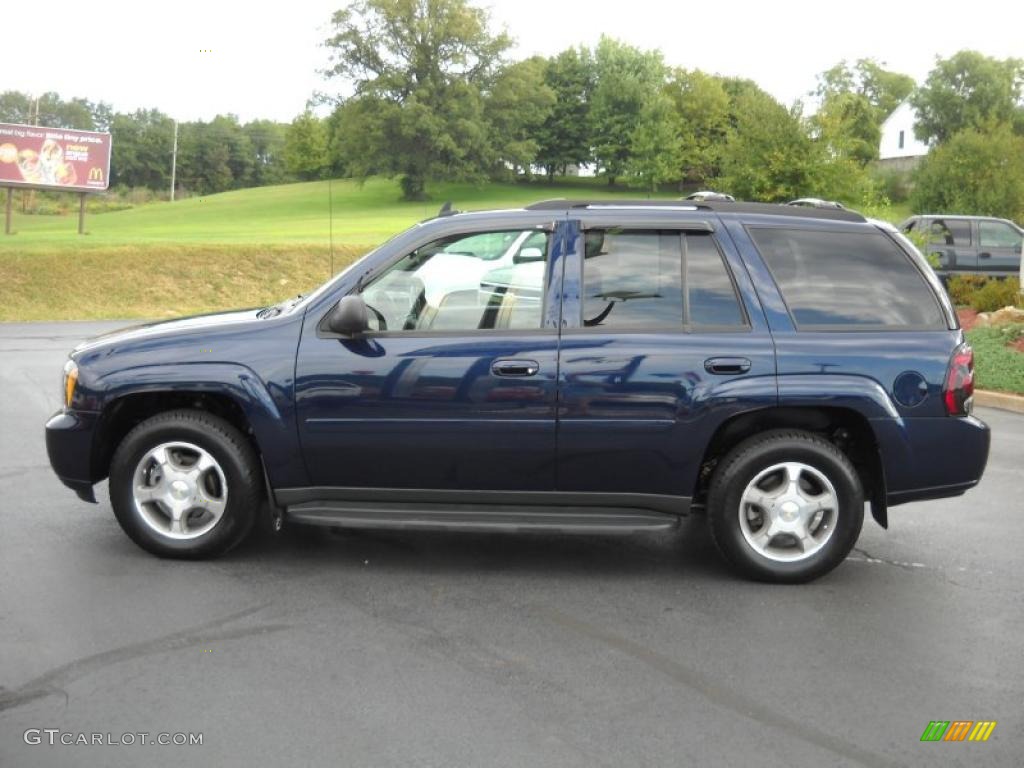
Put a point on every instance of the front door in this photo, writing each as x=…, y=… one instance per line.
x=999, y=247
x=454, y=388
x=952, y=242
x=657, y=352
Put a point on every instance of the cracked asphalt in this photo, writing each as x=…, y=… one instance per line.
x=426, y=649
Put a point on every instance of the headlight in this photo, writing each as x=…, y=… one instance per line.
x=70, y=382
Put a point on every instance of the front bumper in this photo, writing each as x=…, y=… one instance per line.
x=69, y=444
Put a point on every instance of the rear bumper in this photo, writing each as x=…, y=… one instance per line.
x=931, y=458
x=69, y=443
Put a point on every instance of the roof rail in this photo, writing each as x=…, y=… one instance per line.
x=770, y=209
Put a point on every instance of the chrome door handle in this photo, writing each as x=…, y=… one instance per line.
x=726, y=365
x=515, y=368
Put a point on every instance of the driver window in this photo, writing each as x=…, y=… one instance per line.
x=478, y=281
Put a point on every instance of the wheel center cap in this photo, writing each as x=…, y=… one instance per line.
x=180, y=489
x=789, y=510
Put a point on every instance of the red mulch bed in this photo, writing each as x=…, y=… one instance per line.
x=967, y=317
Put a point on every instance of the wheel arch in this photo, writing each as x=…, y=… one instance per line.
x=847, y=428
x=230, y=391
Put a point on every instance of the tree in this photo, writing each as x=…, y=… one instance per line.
x=564, y=138
x=883, y=89
x=53, y=112
x=768, y=155
x=518, y=104
x=702, y=113
x=846, y=125
x=141, y=147
x=305, y=147
x=977, y=171
x=267, y=139
x=968, y=90
x=656, y=150
x=416, y=70
x=626, y=79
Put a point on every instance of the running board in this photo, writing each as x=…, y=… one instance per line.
x=471, y=517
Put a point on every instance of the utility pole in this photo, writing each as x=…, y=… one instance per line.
x=29, y=193
x=174, y=159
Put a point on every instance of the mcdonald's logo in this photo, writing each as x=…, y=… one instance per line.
x=958, y=730
x=95, y=174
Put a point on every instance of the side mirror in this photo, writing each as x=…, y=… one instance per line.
x=527, y=255
x=349, y=317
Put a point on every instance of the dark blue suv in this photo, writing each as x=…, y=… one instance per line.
x=570, y=366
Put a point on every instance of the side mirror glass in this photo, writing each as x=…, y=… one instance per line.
x=349, y=317
x=527, y=255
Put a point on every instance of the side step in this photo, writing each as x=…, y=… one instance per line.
x=470, y=517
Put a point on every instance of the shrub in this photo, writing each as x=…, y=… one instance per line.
x=978, y=171
x=996, y=294
x=963, y=287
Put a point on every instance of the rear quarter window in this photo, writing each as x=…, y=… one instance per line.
x=847, y=280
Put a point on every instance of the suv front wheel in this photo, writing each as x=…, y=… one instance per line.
x=785, y=506
x=185, y=484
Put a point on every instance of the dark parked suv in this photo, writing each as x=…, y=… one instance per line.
x=972, y=245
x=571, y=366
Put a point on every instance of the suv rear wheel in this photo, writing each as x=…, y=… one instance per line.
x=785, y=506
x=185, y=484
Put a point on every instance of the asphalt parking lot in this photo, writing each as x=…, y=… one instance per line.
x=427, y=649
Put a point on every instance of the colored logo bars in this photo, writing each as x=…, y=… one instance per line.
x=958, y=730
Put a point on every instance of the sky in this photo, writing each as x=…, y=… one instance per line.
x=194, y=60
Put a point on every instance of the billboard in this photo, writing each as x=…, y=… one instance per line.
x=54, y=158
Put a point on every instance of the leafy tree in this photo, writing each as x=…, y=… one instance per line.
x=977, y=171
x=267, y=139
x=54, y=112
x=626, y=79
x=768, y=155
x=305, y=147
x=241, y=156
x=702, y=114
x=518, y=104
x=968, y=90
x=846, y=124
x=141, y=148
x=564, y=138
x=416, y=68
x=883, y=88
x=656, y=149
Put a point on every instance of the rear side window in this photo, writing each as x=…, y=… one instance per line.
x=636, y=279
x=836, y=280
x=949, y=232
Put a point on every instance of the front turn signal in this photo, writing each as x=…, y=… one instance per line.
x=70, y=381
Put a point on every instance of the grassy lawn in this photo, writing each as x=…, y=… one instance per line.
x=997, y=366
x=244, y=248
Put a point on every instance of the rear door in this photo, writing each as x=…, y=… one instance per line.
x=663, y=340
x=999, y=247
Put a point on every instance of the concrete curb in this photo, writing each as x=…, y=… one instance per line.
x=1003, y=400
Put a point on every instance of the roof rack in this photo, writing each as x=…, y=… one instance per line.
x=719, y=206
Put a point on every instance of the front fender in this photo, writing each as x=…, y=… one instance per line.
x=267, y=407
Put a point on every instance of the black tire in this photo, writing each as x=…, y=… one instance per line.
x=232, y=451
x=743, y=463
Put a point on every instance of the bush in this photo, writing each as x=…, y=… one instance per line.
x=996, y=294
x=975, y=172
x=963, y=287
x=895, y=184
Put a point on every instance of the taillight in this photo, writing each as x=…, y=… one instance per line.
x=958, y=391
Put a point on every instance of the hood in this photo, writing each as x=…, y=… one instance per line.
x=183, y=325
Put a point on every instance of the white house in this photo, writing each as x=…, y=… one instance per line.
x=898, y=145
